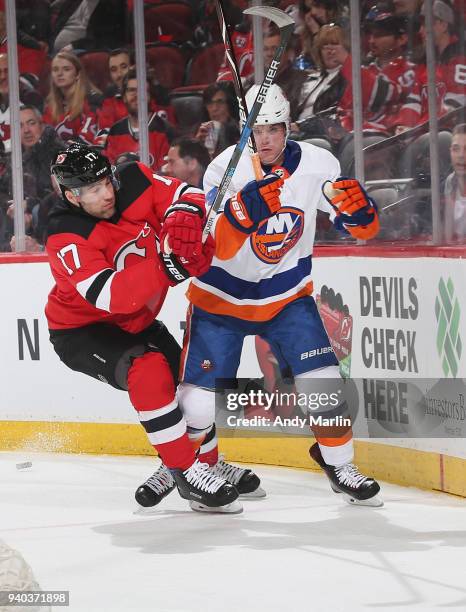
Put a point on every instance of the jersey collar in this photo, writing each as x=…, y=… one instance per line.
x=291, y=160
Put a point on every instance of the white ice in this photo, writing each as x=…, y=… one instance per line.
x=302, y=548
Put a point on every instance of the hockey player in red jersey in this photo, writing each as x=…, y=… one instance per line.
x=111, y=281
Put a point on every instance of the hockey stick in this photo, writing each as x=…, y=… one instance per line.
x=243, y=108
x=286, y=27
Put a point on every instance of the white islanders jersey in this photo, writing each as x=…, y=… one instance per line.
x=273, y=265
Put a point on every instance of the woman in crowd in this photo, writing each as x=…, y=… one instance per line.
x=72, y=102
x=220, y=130
x=325, y=85
x=313, y=14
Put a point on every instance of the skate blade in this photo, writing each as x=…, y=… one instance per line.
x=259, y=493
x=145, y=510
x=373, y=502
x=234, y=508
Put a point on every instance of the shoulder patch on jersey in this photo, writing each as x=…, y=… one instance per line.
x=133, y=183
x=62, y=220
x=156, y=124
x=277, y=235
x=120, y=127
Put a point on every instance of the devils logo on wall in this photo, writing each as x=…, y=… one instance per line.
x=339, y=325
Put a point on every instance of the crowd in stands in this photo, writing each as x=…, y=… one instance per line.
x=78, y=82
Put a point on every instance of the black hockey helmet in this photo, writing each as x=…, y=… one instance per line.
x=80, y=165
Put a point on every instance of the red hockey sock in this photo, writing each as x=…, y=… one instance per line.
x=208, y=452
x=152, y=392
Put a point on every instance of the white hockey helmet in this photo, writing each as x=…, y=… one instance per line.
x=276, y=108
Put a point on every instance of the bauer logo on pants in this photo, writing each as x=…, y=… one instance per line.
x=278, y=234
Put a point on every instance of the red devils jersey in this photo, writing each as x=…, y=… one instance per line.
x=122, y=139
x=401, y=71
x=243, y=48
x=84, y=126
x=113, y=109
x=108, y=271
x=415, y=110
x=381, y=97
x=453, y=66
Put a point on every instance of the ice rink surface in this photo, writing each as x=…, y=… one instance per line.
x=302, y=548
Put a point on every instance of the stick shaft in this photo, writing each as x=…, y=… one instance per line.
x=285, y=33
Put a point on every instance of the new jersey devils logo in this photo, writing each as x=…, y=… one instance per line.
x=136, y=248
x=277, y=235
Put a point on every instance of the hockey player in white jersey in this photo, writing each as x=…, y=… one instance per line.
x=260, y=283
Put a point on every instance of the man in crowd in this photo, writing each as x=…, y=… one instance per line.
x=40, y=145
x=455, y=189
x=386, y=81
x=123, y=136
x=113, y=108
x=450, y=54
x=187, y=160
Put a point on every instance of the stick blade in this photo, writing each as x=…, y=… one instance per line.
x=279, y=17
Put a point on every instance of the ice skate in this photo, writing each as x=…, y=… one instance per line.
x=207, y=491
x=246, y=482
x=156, y=487
x=356, y=488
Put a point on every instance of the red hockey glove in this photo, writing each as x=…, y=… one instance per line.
x=356, y=211
x=257, y=201
x=182, y=229
x=178, y=269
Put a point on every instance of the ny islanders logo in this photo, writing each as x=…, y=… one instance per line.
x=277, y=235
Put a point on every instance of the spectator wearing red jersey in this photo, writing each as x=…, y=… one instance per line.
x=386, y=81
x=123, y=136
x=451, y=56
x=450, y=79
x=243, y=48
x=385, y=86
x=450, y=70
x=72, y=102
x=113, y=107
